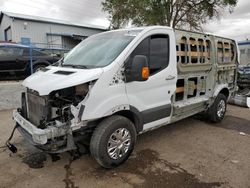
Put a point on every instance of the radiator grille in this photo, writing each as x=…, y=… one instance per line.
x=37, y=107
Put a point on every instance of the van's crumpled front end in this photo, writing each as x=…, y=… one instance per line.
x=49, y=120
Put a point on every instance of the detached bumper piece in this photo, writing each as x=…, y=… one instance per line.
x=36, y=135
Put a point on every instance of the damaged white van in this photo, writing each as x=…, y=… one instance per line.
x=118, y=84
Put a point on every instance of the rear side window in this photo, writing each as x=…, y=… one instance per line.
x=11, y=51
x=156, y=49
x=34, y=52
x=38, y=53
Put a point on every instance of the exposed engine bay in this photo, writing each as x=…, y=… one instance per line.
x=54, y=111
x=44, y=111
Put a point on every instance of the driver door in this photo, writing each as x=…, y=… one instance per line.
x=152, y=98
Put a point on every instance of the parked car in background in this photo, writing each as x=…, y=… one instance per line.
x=243, y=80
x=15, y=60
x=60, y=52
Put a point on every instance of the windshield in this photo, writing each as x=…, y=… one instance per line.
x=99, y=50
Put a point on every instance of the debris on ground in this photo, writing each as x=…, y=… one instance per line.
x=235, y=161
x=242, y=133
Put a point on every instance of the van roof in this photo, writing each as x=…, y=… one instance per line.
x=202, y=33
x=167, y=27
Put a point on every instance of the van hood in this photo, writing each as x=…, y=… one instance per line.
x=54, y=78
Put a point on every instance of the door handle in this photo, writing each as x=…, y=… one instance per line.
x=170, y=77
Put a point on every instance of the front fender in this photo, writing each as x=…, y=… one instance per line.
x=98, y=107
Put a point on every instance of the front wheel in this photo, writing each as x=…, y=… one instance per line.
x=217, y=111
x=113, y=141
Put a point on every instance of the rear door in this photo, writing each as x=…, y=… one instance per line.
x=10, y=59
x=152, y=98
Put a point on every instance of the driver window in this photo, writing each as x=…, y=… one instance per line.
x=156, y=49
x=159, y=53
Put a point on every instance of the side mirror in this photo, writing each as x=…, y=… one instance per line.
x=138, y=69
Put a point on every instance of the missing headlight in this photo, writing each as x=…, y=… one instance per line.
x=82, y=89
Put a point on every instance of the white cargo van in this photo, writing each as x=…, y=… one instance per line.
x=118, y=84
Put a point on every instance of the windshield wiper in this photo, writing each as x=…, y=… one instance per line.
x=75, y=66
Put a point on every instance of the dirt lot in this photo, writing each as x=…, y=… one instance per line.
x=10, y=94
x=190, y=153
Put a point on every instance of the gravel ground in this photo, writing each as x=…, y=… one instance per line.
x=189, y=153
x=10, y=94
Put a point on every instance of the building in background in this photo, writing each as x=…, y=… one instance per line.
x=244, y=47
x=43, y=32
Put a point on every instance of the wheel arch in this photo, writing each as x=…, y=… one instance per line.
x=223, y=89
x=133, y=115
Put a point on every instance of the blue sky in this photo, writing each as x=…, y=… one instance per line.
x=235, y=25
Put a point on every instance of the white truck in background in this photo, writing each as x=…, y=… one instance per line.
x=118, y=84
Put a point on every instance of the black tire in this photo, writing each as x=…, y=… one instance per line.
x=213, y=112
x=38, y=67
x=100, y=140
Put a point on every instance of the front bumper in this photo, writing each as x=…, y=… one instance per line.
x=38, y=136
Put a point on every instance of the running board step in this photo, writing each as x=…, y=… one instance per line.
x=189, y=107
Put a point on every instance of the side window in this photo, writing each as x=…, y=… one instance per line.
x=38, y=53
x=18, y=51
x=10, y=51
x=26, y=52
x=159, y=53
x=5, y=52
x=156, y=49
x=141, y=49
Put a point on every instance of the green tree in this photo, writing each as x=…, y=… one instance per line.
x=189, y=14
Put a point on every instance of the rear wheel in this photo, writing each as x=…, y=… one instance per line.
x=113, y=141
x=217, y=111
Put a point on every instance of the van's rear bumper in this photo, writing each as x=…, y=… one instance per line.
x=36, y=135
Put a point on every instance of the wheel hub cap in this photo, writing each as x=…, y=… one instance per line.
x=221, y=108
x=119, y=143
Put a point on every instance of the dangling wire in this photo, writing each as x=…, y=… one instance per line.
x=11, y=147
